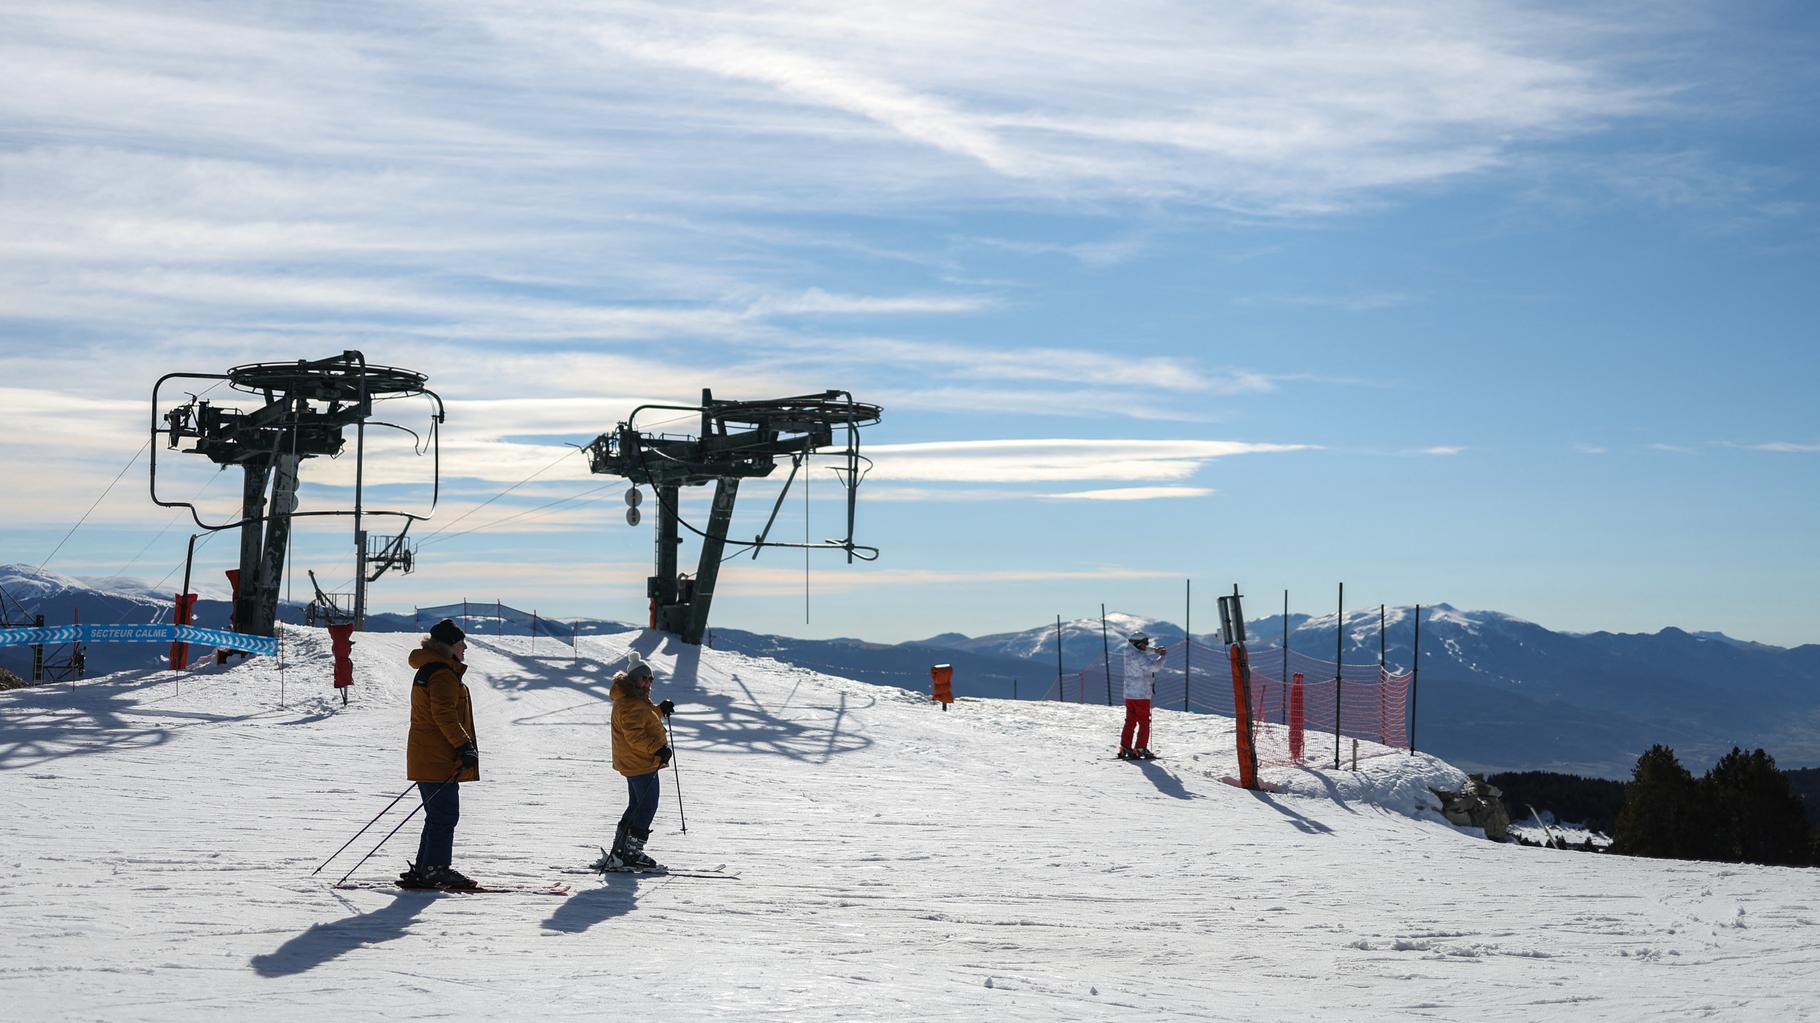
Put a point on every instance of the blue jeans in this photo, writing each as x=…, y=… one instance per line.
x=641, y=807
x=441, y=809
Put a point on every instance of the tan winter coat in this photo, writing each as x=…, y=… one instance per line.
x=442, y=715
x=638, y=729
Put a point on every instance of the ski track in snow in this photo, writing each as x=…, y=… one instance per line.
x=897, y=862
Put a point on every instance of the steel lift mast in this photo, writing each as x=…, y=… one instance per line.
x=736, y=440
x=306, y=408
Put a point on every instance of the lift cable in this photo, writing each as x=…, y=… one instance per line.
x=97, y=504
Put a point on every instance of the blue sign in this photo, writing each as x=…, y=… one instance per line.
x=267, y=645
x=40, y=637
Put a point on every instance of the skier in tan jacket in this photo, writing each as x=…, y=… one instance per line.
x=641, y=749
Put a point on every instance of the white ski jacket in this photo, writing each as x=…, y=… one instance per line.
x=1140, y=672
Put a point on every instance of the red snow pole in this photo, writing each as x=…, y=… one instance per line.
x=1241, y=705
x=1296, y=716
x=943, y=677
x=341, y=641
x=233, y=577
x=1232, y=631
x=183, y=615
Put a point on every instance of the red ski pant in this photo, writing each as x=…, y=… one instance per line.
x=1137, y=719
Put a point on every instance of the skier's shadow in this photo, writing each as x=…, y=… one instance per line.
x=1301, y=822
x=583, y=910
x=325, y=942
x=1166, y=783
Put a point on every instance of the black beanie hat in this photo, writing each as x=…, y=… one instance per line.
x=447, y=633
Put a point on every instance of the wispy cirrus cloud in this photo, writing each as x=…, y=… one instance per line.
x=192, y=167
x=763, y=580
x=1040, y=460
x=1783, y=447
x=1355, y=302
x=1105, y=252
x=1282, y=107
x=561, y=210
x=1130, y=494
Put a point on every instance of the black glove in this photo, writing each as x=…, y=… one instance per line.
x=469, y=755
x=663, y=756
x=666, y=708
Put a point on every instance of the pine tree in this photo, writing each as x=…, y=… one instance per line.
x=1662, y=814
x=1757, y=816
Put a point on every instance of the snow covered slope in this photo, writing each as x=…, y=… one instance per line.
x=899, y=863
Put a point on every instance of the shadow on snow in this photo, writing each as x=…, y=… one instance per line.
x=809, y=731
x=46, y=723
x=323, y=943
x=583, y=910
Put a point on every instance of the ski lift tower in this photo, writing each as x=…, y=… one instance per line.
x=305, y=408
x=735, y=440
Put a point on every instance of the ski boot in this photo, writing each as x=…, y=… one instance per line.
x=622, y=860
x=415, y=877
x=635, y=857
x=1144, y=754
x=1125, y=753
x=449, y=879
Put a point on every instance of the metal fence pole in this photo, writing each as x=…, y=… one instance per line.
x=1415, y=674
x=1106, y=654
x=1339, y=633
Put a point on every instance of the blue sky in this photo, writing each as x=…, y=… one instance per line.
x=1509, y=306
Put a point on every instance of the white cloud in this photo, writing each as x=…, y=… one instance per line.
x=1787, y=447
x=1054, y=459
x=1130, y=494
x=752, y=580
x=1357, y=302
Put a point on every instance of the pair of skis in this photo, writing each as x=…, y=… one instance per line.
x=717, y=873
x=557, y=888
x=553, y=888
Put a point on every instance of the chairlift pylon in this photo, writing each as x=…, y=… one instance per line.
x=735, y=440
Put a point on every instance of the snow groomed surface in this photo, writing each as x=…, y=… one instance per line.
x=896, y=862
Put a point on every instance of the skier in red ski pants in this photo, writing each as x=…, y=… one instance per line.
x=1141, y=664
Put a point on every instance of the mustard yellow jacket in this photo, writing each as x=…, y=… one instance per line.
x=442, y=716
x=638, y=730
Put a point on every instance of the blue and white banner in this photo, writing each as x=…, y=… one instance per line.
x=36, y=637
x=267, y=645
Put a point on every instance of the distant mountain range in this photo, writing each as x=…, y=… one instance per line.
x=1495, y=692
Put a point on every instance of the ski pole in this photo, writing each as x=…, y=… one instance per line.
x=678, y=770
x=363, y=830
x=402, y=823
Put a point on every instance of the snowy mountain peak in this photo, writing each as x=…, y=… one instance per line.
x=27, y=585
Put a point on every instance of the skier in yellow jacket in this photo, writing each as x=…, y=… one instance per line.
x=440, y=753
x=640, y=750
